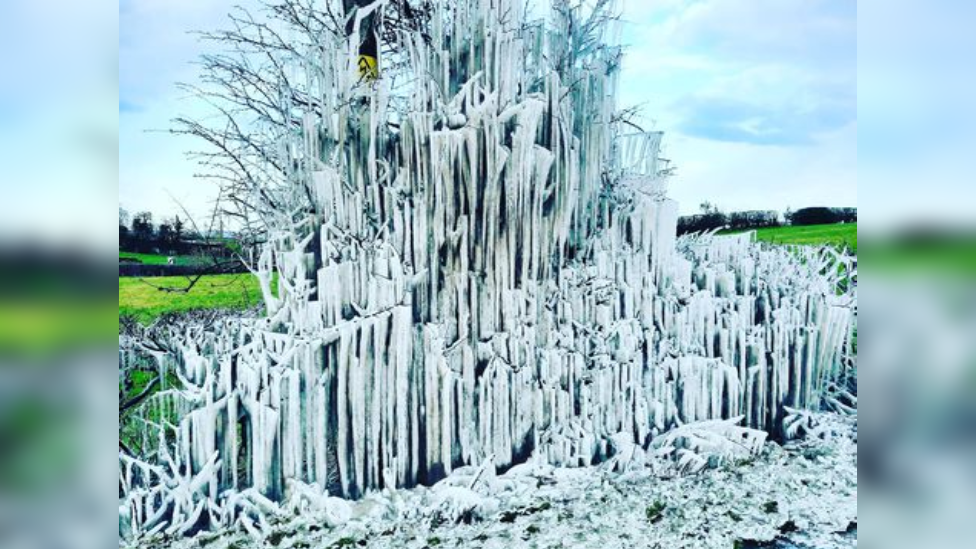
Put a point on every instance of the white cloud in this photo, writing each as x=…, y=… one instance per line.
x=742, y=176
x=751, y=30
x=755, y=96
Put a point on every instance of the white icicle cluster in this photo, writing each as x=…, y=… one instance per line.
x=496, y=278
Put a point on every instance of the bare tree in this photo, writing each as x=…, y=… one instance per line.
x=262, y=85
x=268, y=91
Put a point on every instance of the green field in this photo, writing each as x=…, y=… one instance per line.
x=142, y=299
x=842, y=236
x=154, y=259
x=939, y=256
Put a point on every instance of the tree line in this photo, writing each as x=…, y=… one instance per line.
x=711, y=218
x=140, y=234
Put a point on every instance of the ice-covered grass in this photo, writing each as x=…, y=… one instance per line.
x=803, y=493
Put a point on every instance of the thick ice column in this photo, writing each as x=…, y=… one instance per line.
x=401, y=342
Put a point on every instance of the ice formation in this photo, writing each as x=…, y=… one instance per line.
x=802, y=493
x=493, y=277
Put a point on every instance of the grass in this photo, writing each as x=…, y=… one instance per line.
x=142, y=299
x=132, y=433
x=154, y=259
x=840, y=235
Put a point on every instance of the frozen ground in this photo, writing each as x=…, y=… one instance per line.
x=801, y=495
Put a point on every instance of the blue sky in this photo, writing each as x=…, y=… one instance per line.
x=758, y=98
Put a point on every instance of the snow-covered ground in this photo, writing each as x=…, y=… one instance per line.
x=803, y=495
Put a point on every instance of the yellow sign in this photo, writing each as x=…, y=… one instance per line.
x=369, y=69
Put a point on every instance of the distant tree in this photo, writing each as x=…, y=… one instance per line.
x=165, y=238
x=125, y=237
x=815, y=216
x=191, y=234
x=846, y=215
x=824, y=216
x=753, y=219
x=143, y=233
x=178, y=234
x=178, y=227
x=710, y=219
x=124, y=217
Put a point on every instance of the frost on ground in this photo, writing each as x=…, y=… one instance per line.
x=803, y=494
